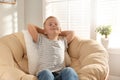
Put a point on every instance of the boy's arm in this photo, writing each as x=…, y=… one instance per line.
x=69, y=35
x=34, y=30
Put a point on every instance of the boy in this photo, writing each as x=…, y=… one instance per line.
x=51, y=49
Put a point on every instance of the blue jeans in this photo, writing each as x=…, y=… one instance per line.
x=65, y=74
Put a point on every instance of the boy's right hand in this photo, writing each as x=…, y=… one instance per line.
x=33, y=32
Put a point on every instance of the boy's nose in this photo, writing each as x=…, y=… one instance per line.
x=53, y=25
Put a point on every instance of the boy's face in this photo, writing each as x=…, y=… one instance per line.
x=52, y=26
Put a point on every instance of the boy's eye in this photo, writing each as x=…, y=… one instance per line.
x=56, y=24
x=50, y=24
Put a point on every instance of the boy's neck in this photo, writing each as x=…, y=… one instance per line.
x=55, y=37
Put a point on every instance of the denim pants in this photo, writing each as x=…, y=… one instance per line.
x=65, y=74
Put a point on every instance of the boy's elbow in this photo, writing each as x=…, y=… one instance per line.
x=71, y=36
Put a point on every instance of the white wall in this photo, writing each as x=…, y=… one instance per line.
x=33, y=12
x=21, y=16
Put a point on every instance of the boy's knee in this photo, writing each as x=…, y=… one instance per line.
x=68, y=70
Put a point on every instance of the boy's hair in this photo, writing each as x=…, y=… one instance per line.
x=48, y=18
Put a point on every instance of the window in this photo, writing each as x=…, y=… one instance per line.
x=73, y=14
x=108, y=12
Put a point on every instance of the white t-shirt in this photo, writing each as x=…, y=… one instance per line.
x=51, y=53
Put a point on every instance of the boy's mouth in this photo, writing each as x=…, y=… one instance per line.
x=55, y=29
